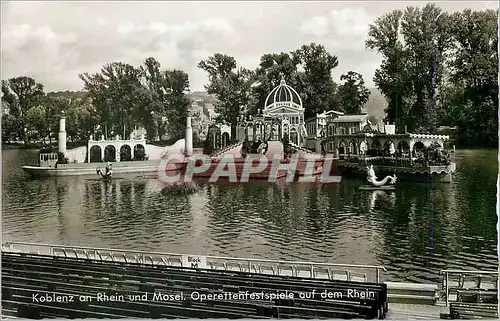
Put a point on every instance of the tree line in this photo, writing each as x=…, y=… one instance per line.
x=438, y=69
x=113, y=102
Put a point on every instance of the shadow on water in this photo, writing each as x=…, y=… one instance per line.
x=414, y=231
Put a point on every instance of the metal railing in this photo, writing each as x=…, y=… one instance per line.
x=300, y=148
x=225, y=149
x=330, y=271
x=462, y=274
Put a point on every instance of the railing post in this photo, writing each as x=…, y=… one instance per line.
x=378, y=275
x=446, y=289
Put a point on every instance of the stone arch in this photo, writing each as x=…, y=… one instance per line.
x=352, y=148
x=125, y=153
x=217, y=139
x=418, y=149
x=294, y=136
x=418, y=146
x=363, y=146
x=225, y=139
x=389, y=147
x=403, y=148
x=331, y=129
x=342, y=149
x=268, y=129
x=250, y=130
x=139, y=152
x=110, y=153
x=276, y=131
x=95, y=154
x=259, y=131
x=286, y=130
x=376, y=144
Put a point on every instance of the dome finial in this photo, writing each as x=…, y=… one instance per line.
x=282, y=75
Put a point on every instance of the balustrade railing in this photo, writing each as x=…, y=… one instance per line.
x=331, y=271
x=384, y=161
x=480, y=281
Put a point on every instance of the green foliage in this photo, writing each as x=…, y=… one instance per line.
x=436, y=156
x=36, y=122
x=182, y=188
x=177, y=102
x=314, y=82
x=21, y=94
x=124, y=96
x=439, y=69
x=207, y=146
x=352, y=93
x=318, y=86
x=230, y=84
x=61, y=159
x=10, y=125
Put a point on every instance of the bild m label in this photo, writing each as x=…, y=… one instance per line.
x=194, y=261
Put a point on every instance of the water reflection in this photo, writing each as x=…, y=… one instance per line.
x=414, y=231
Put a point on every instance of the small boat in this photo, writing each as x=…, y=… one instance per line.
x=374, y=188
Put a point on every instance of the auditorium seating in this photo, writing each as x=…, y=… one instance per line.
x=26, y=274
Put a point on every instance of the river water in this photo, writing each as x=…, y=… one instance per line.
x=414, y=231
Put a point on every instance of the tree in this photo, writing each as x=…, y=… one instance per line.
x=178, y=102
x=36, y=122
x=472, y=91
x=272, y=68
x=352, y=93
x=22, y=94
x=307, y=69
x=383, y=37
x=119, y=96
x=318, y=86
x=9, y=128
x=81, y=118
x=156, y=87
x=230, y=85
x=413, y=45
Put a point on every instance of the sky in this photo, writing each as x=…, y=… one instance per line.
x=53, y=41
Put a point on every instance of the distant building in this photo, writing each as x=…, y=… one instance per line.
x=316, y=128
x=345, y=125
x=200, y=119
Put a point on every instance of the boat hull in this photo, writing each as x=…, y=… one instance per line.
x=441, y=174
x=89, y=169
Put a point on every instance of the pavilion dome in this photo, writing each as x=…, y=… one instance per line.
x=283, y=93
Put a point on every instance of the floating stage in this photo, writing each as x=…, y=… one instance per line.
x=77, y=282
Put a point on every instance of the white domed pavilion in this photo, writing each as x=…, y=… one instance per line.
x=284, y=103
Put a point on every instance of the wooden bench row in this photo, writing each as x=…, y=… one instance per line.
x=200, y=280
x=118, y=270
x=39, y=273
